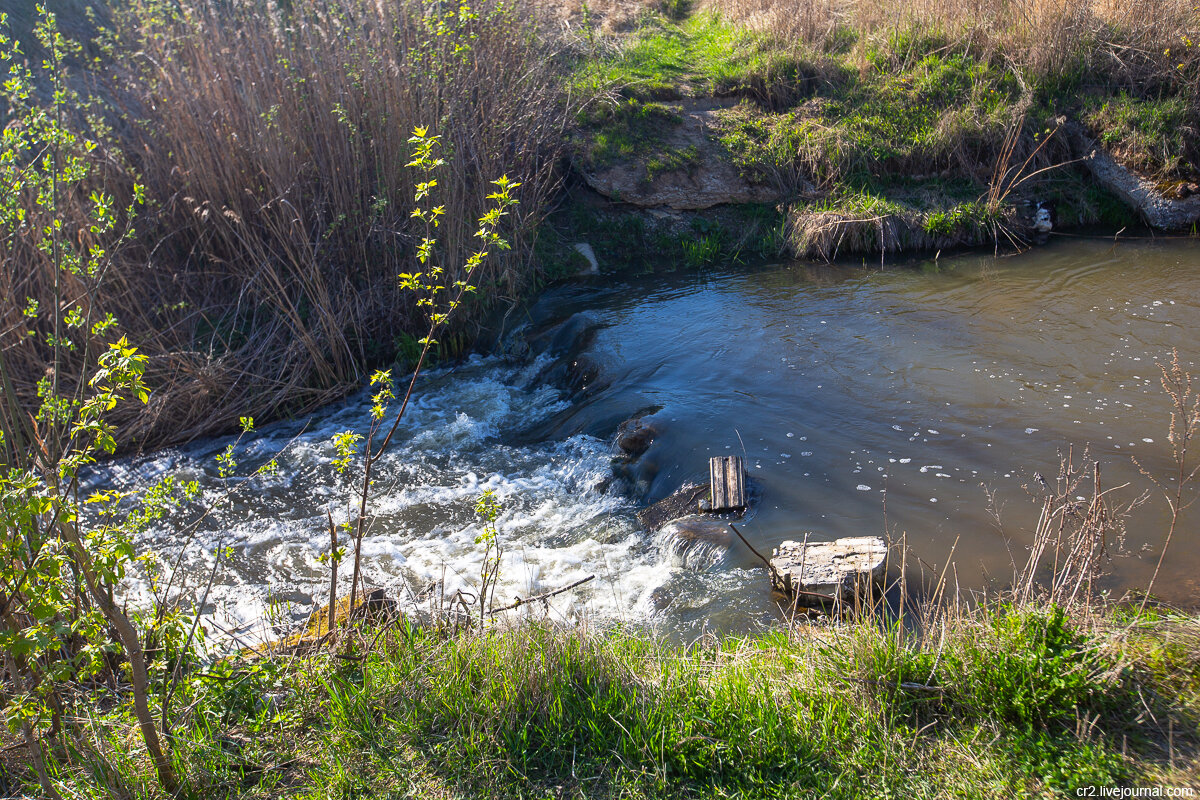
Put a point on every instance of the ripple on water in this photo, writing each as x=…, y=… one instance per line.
x=936, y=370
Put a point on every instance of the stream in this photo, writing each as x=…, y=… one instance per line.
x=920, y=400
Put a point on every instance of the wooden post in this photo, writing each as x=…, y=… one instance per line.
x=727, y=475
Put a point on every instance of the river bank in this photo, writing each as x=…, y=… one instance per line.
x=999, y=702
x=839, y=131
x=260, y=272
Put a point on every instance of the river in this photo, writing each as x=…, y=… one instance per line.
x=866, y=401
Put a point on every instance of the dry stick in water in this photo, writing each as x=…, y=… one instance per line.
x=770, y=566
x=775, y=572
x=169, y=689
x=543, y=596
x=1185, y=419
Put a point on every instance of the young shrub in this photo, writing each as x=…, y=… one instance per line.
x=1029, y=669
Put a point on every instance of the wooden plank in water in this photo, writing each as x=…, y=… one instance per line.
x=727, y=475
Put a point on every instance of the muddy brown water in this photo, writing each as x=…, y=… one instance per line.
x=860, y=397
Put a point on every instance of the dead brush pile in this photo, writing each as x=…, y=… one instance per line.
x=272, y=139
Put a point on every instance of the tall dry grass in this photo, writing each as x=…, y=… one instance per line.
x=272, y=138
x=1143, y=46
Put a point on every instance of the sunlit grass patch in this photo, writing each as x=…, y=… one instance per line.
x=1150, y=135
x=997, y=701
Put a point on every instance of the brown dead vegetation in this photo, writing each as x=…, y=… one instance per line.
x=273, y=145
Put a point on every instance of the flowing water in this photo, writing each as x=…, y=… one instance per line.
x=904, y=396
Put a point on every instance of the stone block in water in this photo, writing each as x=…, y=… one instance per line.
x=814, y=572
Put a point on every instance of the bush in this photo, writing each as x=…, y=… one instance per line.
x=1030, y=669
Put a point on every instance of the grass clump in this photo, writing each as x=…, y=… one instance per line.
x=909, y=217
x=1032, y=669
x=1029, y=701
x=1149, y=135
x=699, y=55
x=671, y=159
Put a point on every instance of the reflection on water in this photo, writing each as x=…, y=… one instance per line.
x=854, y=393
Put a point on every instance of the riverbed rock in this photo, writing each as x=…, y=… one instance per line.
x=376, y=607
x=583, y=374
x=698, y=541
x=635, y=435
x=812, y=573
x=707, y=179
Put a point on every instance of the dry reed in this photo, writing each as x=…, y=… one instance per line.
x=272, y=139
x=1141, y=46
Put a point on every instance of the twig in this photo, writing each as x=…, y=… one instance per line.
x=175, y=673
x=907, y=685
x=770, y=566
x=544, y=596
x=819, y=595
x=333, y=571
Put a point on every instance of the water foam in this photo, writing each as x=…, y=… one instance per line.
x=558, y=524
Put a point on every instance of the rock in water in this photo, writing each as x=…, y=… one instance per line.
x=635, y=435
x=809, y=572
x=680, y=504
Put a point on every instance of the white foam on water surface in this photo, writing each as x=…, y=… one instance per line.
x=558, y=522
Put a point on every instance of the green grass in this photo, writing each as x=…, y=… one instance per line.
x=1150, y=135
x=626, y=131
x=631, y=243
x=870, y=114
x=665, y=58
x=989, y=706
x=885, y=217
x=670, y=159
x=806, y=118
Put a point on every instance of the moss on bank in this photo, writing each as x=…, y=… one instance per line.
x=858, y=115
x=1028, y=702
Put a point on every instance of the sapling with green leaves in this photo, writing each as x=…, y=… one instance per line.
x=488, y=509
x=58, y=573
x=67, y=542
x=439, y=293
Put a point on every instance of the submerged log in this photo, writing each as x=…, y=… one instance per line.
x=1166, y=205
x=725, y=497
x=684, y=501
x=811, y=573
